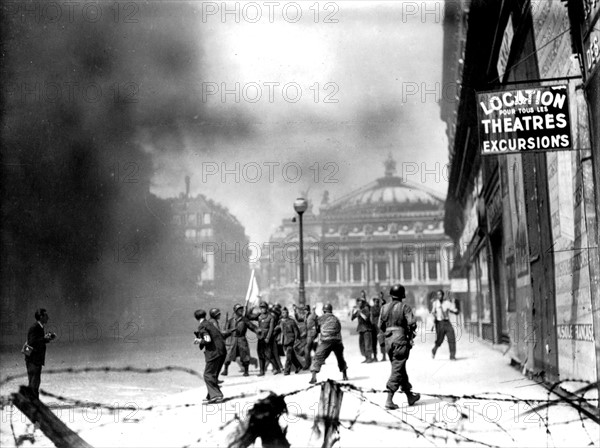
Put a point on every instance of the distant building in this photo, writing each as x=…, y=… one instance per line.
x=218, y=241
x=387, y=231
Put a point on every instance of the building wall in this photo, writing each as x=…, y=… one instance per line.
x=548, y=227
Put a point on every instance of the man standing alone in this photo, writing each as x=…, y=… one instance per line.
x=362, y=312
x=398, y=323
x=37, y=340
x=441, y=308
x=210, y=339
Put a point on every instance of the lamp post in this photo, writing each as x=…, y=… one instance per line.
x=300, y=205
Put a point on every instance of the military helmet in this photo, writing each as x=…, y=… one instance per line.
x=328, y=307
x=236, y=307
x=214, y=313
x=397, y=291
x=263, y=305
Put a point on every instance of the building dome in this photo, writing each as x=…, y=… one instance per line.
x=387, y=194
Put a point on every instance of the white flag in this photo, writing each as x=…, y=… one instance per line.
x=252, y=297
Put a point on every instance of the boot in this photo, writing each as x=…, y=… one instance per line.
x=345, y=375
x=412, y=398
x=383, y=358
x=224, y=372
x=262, y=367
x=433, y=350
x=313, y=379
x=389, y=403
x=246, y=370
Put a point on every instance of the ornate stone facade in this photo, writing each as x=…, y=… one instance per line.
x=387, y=231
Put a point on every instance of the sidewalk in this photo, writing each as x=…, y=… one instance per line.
x=179, y=420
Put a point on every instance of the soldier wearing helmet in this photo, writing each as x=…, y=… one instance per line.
x=330, y=329
x=215, y=314
x=266, y=325
x=398, y=324
x=239, y=325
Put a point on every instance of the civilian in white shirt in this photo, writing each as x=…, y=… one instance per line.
x=441, y=309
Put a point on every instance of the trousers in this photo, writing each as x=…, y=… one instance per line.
x=398, y=376
x=444, y=329
x=211, y=376
x=365, y=342
x=310, y=342
x=291, y=358
x=34, y=375
x=324, y=350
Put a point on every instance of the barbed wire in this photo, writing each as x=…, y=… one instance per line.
x=360, y=392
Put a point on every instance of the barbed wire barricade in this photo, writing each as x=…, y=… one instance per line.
x=424, y=426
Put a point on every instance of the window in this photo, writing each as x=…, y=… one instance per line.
x=206, y=232
x=432, y=270
x=190, y=233
x=206, y=218
x=332, y=269
x=382, y=271
x=191, y=218
x=357, y=272
x=407, y=270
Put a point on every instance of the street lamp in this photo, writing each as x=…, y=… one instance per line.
x=300, y=205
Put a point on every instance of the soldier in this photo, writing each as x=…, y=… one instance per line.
x=362, y=312
x=276, y=348
x=215, y=315
x=300, y=344
x=266, y=325
x=398, y=323
x=311, y=336
x=377, y=336
x=239, y=347
x=210, y=339
x=289, y=335
x=331, y=341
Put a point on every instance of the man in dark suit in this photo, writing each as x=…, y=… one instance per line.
x=37, y=338
x=210, y=339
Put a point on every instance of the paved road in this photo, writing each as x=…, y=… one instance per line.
x=178, y=419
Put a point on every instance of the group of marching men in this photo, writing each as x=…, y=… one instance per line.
x=277, y=332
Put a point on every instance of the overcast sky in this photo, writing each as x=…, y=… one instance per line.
x=354, y=94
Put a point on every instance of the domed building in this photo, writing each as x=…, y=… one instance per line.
x=387, y=231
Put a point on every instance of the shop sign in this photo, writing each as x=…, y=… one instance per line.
x=575, y=332
x=507, y=39
x=591, y=53
x=525, y=120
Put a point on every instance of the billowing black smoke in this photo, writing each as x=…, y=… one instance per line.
x=84, y=91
